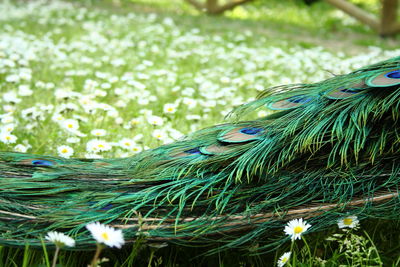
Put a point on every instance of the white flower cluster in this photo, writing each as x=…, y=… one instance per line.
x=297, y=227
x=102, y=89
x=102, y=233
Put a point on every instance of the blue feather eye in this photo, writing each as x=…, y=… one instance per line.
x=385, y=79
x=251, y=130
x=343, y=92
x=240, y=134
x=178, y=153
x=42, y=162
x=291, y=102
x=299, y=99
x=393, y=74
x=192, y=151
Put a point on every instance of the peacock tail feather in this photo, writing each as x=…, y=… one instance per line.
x=326, y=150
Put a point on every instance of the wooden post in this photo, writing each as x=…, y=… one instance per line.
x=212, y=6
x=385, y=26
x=389, y=24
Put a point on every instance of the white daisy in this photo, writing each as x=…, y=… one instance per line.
x=170, y=108
x=190, y=102
x=136, y=148
x=155, y=120
x=106, y=234
x=96, y=145
x=119, y=120
x=8, y=128
x=60, y=239
x=11, y=97
x=348, y=222
x=24, y=90
x=296, y=228
x=159, y=134
x=284, y=259
x=20, y=148
x=9, y=108
x=70, y=125
x=57, y=117
x=7, y=138
x=7, y=119
x=65, y=151
x=126, y=143
x=98, y=132
x=134, y=122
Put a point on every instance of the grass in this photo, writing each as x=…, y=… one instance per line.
x=115, y=68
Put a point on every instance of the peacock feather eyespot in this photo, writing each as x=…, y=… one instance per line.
x=240, y=134
x=178, y=153
x=42, y=162
x=300, y=99
x=37, y=162
x=385, y=79
x=216, y=149
x=393, y=74
x=343, y=92
x=251, y=130
x=291, y=102
x=192, y=151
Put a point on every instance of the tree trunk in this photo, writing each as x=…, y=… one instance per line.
x=211, y=6
x=389, y=24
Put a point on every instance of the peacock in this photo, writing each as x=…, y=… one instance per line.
x=325, y=150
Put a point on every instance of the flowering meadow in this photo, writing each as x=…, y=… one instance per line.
x=87, y=80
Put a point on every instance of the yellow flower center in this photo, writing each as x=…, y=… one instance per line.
x=347, y=221
x=105, y=236
x=127, y=143
x=285, y=259
x=64, y=150
x=101, y=146
x=298, y=230
x=8, y=137
x=170, y=109
x=70, y=126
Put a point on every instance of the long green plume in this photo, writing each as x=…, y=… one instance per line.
x=326, y=150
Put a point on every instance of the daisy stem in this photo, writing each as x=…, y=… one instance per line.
x=55, y=256
x=308, y=250
x=293, y=253
x=96, y=255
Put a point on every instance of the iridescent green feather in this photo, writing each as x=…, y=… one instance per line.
x=320, y=154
